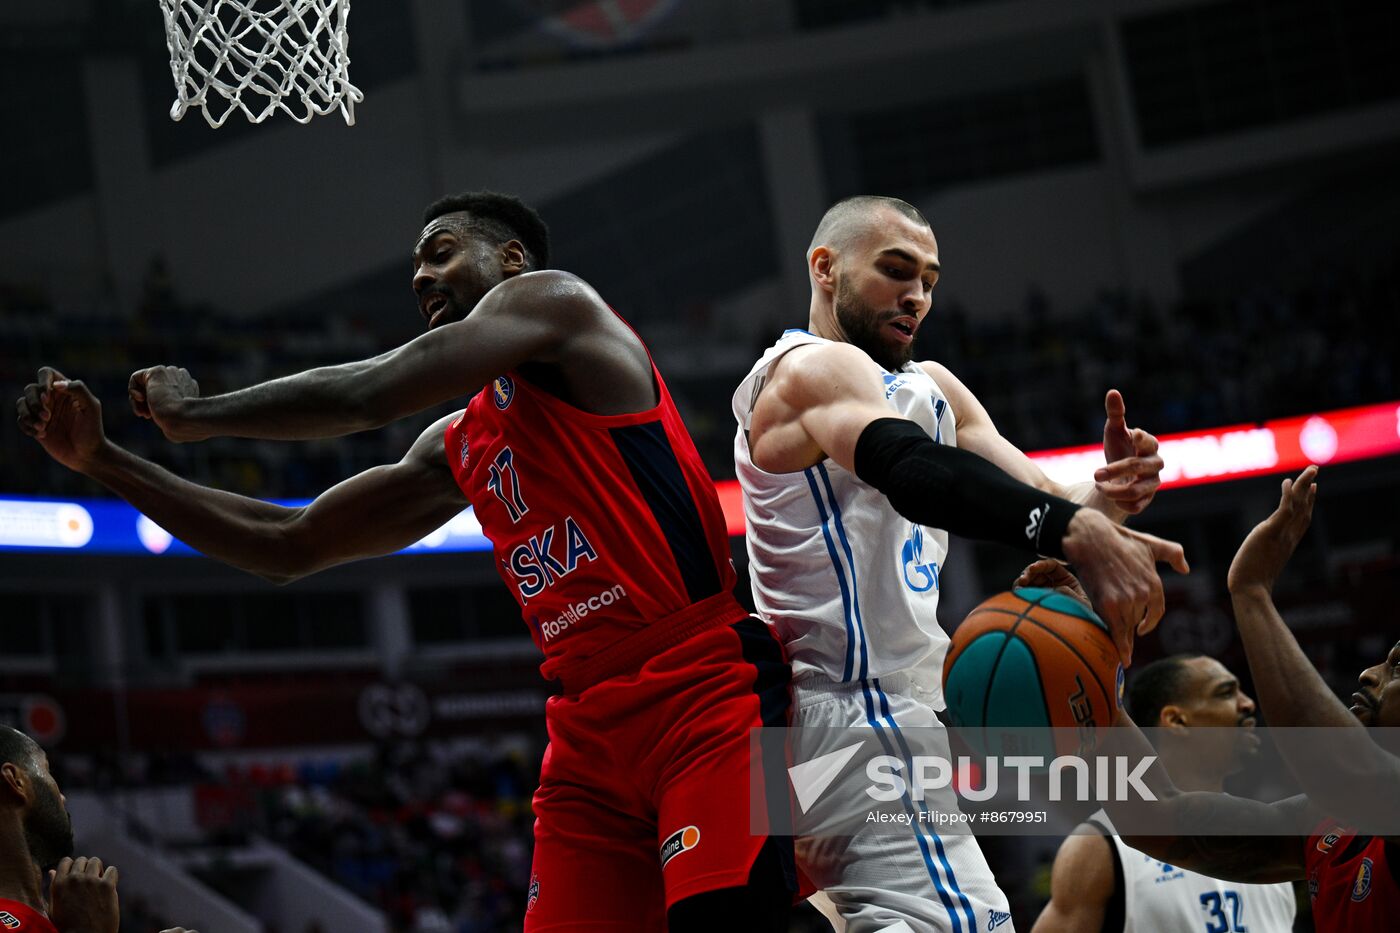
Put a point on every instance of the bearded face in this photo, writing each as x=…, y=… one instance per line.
x=865, y=327
x=48, y=830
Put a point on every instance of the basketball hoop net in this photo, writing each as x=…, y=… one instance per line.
x=259, y=56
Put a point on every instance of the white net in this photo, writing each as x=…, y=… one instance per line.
x=259, y=56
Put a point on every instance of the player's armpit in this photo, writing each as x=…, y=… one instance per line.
x=1081, y=884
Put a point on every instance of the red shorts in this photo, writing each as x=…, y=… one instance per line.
x=644, y=796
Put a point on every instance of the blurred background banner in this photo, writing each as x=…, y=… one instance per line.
x=290, y=715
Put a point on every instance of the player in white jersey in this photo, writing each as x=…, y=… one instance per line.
x=1100, y=883
x=851, y=481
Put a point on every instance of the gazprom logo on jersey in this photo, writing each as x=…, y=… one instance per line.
x=502, y=391
x=920, y=574
x=575, y=613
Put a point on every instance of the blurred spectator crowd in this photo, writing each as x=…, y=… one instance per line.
x=437, y=836
x=439, y=841
x=1041, y=373
x=1203, y=363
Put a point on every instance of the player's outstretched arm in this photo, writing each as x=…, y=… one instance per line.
x=1081, y=884
x=528, y=318
x=1248, y=840
x=1124, y=486
x=1273, y=851
x=1358, y=772
x=377, y=512
x=826, y=401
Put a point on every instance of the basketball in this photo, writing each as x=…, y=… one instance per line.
x=1028, y=660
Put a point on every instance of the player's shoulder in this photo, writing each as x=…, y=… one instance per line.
x=938, y=372
x=564, y=293
x=815, y=361
x=815, y=373
x=1084, y=862
x=20, y=916
x=1086, y=846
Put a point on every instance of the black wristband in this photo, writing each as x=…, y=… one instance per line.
x=944, y=487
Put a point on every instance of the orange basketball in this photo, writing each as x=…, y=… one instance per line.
x=1028, y=661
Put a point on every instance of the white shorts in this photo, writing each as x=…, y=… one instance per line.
x=905, y=879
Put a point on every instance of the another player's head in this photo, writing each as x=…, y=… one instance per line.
x=875, y=260
x=1377, y=699
x=30, y=797
x=1188, y=698
x=469, y=244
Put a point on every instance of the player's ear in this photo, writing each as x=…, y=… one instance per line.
x=513, y=261
x=1173, y=719
x=14, y=782
x=821, y=264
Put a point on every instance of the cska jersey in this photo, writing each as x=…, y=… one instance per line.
x=22, y=918
x=1353, y=881
x=600, y=524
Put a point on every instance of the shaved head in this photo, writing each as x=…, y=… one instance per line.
x=846, y=220
x=48, y=830
x=18, y=748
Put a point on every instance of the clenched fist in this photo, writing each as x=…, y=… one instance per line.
x=158, y=392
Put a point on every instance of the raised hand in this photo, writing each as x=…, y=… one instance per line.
x=1118, y=567
x=1133, y=471
x=63, y=416
x=1267, y=549
x=157, y=392
x=83, y=897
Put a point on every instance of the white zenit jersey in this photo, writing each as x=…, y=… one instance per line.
x=850, y=585
x=1162, y=898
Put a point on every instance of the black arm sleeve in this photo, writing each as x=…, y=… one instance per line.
x=944, y=487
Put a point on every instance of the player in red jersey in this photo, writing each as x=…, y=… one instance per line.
x=604, y=525
x=36, y=835
x=1353, y=877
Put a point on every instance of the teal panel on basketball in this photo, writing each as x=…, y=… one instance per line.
x=1016, y=705
x=1017, y=698
x=1059, y=602
x=1072, y=607
x=1032, y=594
x=965, y=690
